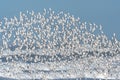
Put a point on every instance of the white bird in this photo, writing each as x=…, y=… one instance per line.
x=2, y=30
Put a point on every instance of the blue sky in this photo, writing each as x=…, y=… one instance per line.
x=104, y=12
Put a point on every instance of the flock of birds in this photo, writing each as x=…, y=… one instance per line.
x=59, y=36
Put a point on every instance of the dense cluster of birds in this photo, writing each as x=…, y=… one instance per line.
x=55, y=33
x=50, y=37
